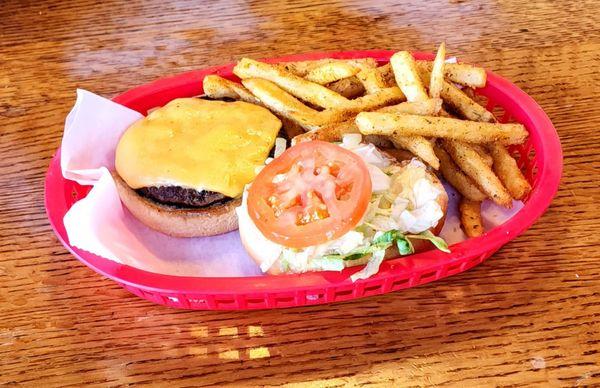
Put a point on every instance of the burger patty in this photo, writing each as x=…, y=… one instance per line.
x=181, y=196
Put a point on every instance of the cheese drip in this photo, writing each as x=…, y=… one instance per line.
x=197, y=144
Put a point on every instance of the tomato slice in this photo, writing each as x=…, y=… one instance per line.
x=314, y=192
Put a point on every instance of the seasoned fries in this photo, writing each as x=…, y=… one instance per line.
x=456, y=177
x=302, y=68
x=398, y=125
x=476, y=168
x=330, y=133
x=372, y=80
x=331, y=72
x=407, y=77
x=459, y=101
x=437, y=73
x=308, y=91
x=507, y=170
x=464, y=105
x=470, y=217
x=219, y=87
x=466, y=75
x=288, y=106
x=374, y=101
x=419, y=146
x=398, y=105
x=350, y=87
x=387, y=74
x=335, y=131
x=423, y=108
x=485, y=155
x=460, y=73
x=283, y=103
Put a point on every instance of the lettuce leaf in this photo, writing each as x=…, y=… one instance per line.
x=435, y=240
x=386, y=240
x=371, y=268
x=393, y=236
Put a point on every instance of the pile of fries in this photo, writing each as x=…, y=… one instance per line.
x=419, y=106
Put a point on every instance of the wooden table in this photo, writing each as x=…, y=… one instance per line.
x=528, y=315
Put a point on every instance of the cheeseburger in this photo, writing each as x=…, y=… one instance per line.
x=182, y=169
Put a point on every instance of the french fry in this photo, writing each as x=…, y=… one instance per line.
x=459, y=101
x=466, y=75
x=407, y=76
x=470, y=217
x=474, y=166
x=387, y=74
x=398, y=125
x=286, y=105
x=456, y=177
x=283, y=103
x=419, y=146
x=331, y=72
x=507, y=170
x=350, y=87
x=422, y=108
x=372, y=80
x=308, y=91
x=218, y=87
x=302, y=68
x=335, y=131
x=374, y=101
x=437, y=73
x=464, y=105
x=485, y=155
x=459, y=73
x=329, y=133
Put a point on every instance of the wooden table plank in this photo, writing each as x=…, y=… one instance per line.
x=528, y=315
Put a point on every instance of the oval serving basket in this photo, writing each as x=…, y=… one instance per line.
x=540, y=159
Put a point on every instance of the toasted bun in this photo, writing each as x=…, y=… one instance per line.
x=177, y=222
x=256, y=253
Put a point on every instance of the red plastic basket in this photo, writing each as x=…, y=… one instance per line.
x=540, y=158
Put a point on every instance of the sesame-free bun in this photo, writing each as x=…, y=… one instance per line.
x=179, y=222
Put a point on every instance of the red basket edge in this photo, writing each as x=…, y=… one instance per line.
x=548, y=179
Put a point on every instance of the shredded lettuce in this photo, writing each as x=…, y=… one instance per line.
x=435, y=240
x=371, y=268
x=383, y=241
x=327, y=264
x=395, y=237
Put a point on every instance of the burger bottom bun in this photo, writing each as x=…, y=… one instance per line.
x=254, y=251
x=179, y=222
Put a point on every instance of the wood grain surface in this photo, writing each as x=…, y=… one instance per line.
x=527, y=316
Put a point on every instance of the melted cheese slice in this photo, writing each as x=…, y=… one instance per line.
x=197, y=144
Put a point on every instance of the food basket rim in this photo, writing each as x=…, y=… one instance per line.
x=542, y=133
